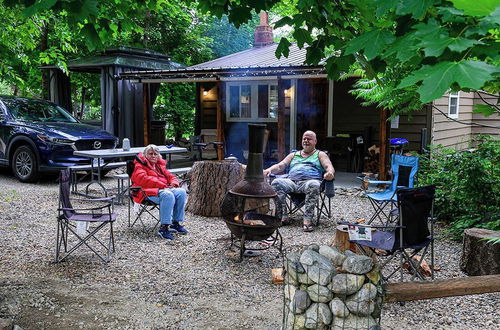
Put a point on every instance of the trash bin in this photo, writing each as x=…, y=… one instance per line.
x=158, y=132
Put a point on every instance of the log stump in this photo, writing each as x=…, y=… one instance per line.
x=341, y=239
x=210, y=181
x=480, y=257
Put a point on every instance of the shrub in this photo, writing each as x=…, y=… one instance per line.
x=468, y=185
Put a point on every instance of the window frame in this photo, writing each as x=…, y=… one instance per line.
x=254, y=100
x=454, y=95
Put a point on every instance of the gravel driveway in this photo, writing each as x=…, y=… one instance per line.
x=194, y=282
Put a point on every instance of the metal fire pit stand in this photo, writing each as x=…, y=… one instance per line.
x=275, y=240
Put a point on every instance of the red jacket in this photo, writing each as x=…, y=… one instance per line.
x=151, y=178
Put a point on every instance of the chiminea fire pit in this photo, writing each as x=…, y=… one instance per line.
x=249, y=208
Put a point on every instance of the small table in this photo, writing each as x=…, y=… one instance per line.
x=98, y=157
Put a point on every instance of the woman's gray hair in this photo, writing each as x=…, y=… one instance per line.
x=152, y=147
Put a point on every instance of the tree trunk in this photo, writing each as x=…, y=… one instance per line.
x=480, y=257
x=210, y=181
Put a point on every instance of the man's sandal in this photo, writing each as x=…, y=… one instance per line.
x=307, y=227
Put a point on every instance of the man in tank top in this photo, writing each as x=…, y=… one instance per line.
x=306, y=169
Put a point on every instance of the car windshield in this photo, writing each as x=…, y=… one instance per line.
x=34, y=110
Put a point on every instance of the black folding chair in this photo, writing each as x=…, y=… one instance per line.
x=146, y=207
x=296, y=201
x=83, y=226
x=413, y=235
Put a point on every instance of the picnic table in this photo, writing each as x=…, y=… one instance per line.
x=101, y=158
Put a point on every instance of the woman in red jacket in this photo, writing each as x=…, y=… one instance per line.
x=161, y=187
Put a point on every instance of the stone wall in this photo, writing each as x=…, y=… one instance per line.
x=328, y=289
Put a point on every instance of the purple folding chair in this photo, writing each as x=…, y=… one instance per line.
x=83, y=226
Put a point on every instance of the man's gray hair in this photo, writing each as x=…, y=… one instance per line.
x=152, y=147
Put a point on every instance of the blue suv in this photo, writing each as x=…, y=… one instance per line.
x=40, y=136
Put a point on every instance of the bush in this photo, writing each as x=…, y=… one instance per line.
x=468, y=185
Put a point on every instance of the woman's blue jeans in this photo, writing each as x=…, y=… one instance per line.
x=171, y=203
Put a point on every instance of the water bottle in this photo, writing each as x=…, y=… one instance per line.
x=126, y=144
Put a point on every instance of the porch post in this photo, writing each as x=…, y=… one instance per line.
x=281, y=119
x=220, y=118
x=145, y=112
x=383, y=127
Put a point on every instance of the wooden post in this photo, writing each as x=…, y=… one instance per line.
x=281, y=119
x=409, y=291
x=145, y=103
x=383, y=144
x=220, y=120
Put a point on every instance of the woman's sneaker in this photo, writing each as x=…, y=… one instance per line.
x=178, y=228
x=164, y=233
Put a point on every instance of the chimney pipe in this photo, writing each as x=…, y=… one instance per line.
x=254, y=184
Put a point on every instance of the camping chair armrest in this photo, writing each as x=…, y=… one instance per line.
x=84, y=209
x=368, y=226
x=137, y=189
x=108, y=199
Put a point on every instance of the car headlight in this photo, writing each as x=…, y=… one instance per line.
x=50, y=139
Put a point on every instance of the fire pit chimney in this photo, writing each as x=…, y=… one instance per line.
x=254, y=184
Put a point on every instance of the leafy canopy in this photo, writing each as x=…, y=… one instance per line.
x=421, y=48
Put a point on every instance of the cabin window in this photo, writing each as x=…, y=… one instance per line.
x=453, y=104
x=252, y=101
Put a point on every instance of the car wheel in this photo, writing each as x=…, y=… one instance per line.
x=24, y=164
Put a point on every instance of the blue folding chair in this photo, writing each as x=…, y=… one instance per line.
x=404, y=170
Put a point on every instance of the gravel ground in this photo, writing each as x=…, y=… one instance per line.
x=194, y=282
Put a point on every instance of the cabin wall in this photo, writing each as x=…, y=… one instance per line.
x=448, y=132
x=491, y=121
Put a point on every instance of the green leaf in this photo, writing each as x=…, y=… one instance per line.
x=85, y=9
x=372, y=42
x=473, y=74
x=302, y=36
x=92, y=39
x=404, y=47
x=313, y=55
x=283, y=22
x=486, y=110
x=437, y=79
x=461, y=44
x=435, y=46
x=384, y=6
x=476, y=7
x=338, y=65
x=417, y=8
x=38, y=6
x=430, y=30
x=283, y=48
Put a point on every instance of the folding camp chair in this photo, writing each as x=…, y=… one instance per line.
x=146, y=207
x=414, y=231
x=296, y=201
x=404, y=170
x=83, y=226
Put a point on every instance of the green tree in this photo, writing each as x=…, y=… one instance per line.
x=419, y=48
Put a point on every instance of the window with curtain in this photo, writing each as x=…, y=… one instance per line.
x=255, y=101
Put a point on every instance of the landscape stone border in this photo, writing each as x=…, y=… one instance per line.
x=329, y=289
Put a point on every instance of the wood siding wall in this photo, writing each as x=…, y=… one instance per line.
x=448, y=132
x=492, y=121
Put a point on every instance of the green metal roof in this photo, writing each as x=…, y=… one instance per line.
x=128, y=57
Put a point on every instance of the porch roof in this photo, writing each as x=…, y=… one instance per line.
x=251, y=64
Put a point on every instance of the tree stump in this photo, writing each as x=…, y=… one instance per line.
x=341, y=239
x=480, y=257
x=210, y=181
